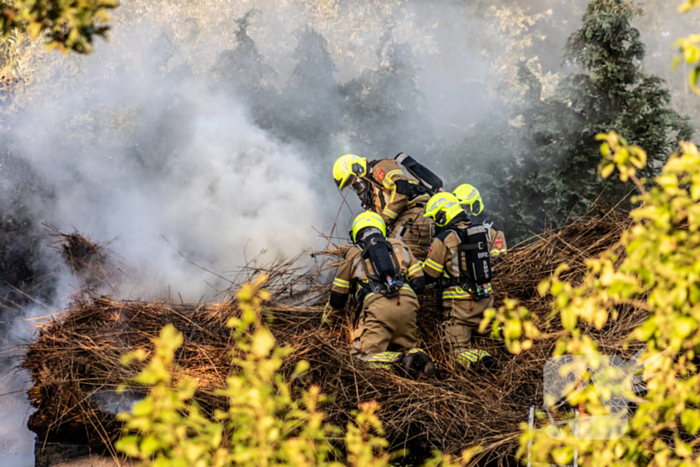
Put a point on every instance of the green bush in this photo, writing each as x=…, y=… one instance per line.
x=660, y=273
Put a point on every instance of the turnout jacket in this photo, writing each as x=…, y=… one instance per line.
x=442, y=260
x=392, y=190
x=351, y=277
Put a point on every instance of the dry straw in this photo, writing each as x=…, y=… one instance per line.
x=75, y=360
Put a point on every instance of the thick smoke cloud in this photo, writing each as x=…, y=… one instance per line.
x=147, y=156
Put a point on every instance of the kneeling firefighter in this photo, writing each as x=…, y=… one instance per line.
x=470, y=200
x=396, y=189
x=459, y=261
x=385, y=277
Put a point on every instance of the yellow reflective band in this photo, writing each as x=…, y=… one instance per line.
x=456, y=292
x=456, y=295
x=393, y=172
x=414, y=269
x=433, y=265
x=379, y=366
x=341, y=283
x=390, y=214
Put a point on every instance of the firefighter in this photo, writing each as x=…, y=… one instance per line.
x=384, y=188
x=463, y=297
x=384, y=276
x=470, y=200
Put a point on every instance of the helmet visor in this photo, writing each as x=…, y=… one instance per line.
x=345, y=182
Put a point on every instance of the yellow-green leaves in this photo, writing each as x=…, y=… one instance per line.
x=511, y=323
x=689, y=49
x=617, y=153
x=688, y=5
x=263, y=342
x=67, y=25
x=659, y=273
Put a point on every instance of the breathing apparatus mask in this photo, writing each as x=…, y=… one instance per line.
x=359, y=186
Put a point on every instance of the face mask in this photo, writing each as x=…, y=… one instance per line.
x=359, y=186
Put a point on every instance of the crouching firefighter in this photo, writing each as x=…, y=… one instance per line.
x=459, y=261
x=396, y=189
x=385, y=278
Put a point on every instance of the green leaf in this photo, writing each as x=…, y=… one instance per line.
x=143, y=408
x=149, y=445
x=301, y=368
x=128, y=445
x=693, y=79
x=691, y=421
x=263, y=342
x=606, y=169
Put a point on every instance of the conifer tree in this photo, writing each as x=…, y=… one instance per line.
x=311, y=105
x=556, y=174
x=384, y=106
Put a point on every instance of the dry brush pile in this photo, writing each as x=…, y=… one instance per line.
x=75, y=361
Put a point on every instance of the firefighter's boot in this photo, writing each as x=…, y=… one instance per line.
x=474, y=359
x=415, y=362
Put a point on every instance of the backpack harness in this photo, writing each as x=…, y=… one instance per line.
x=474, y=261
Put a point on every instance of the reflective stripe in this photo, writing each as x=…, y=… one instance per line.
x=381, y=361
x=467, y=357
x=414, y=269
x=458, y=292
x=433, y=265
x=390, y=214
x=394, y=172
x=341, y=283
x=454, y=294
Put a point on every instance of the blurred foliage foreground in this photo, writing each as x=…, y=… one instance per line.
x=266, y=424
x=660, y=272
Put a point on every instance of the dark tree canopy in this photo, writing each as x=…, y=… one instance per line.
x=549, y=173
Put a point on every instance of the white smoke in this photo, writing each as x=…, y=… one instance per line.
x=222, y=190
x=163, y=165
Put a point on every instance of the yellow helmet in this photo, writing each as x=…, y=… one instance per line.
x=443, y=207
x=346, y=168
x=470, y=199
x=364, y=220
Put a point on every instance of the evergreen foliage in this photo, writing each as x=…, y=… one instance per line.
x=551, y=174
x=385, y=103
x=311, y=104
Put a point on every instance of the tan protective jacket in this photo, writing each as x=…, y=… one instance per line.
x=391, y=191
x=351, y=274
